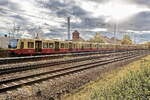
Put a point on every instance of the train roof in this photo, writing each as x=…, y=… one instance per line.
x=79, y=42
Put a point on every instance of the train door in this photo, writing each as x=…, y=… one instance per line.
x=56, y=46
x=38, y=46
x=82, y=46
x=70, y=46
x=90, y=46
x=21, y=45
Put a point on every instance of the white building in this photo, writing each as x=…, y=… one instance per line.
x=4, y=42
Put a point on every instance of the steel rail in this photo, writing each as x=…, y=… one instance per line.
x=10, y=60
x=5, y=86
x=48, y=64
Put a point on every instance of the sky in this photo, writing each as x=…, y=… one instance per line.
x=49, y=17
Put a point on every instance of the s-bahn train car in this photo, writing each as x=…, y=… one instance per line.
x=21, y=46
x=39, y=46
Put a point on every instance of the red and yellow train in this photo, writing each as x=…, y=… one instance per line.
x=39, y=46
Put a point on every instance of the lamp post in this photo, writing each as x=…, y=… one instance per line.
x=115, y=31
x=68, y=20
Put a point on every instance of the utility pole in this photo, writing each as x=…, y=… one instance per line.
x=134, y=38
x=68, y=21
x=38, y=32
x=115, y=30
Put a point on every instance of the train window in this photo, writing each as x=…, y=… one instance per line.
x=84, y=45
x=87, y=46
x=13, y=43
x=66, y=45
x=51, y=45
x=104, y=46
x=45, y=45
x=22, y=45
x=77, y=46
x=30, y=44
x=73, y=46
x=107, y=46
x=90, y=45
x=110, y=46
x=100, y=46
x=62, y=45
x=97, y=45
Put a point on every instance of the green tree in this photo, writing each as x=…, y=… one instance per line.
x=126, y=40
x=98, y=38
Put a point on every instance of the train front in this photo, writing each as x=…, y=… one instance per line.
x=13, y=47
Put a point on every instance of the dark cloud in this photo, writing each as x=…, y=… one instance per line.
x=53, y=5
x=77, y=11
x=59, y=33
x=138, y=22
x=9, y=4
x=89, y=23
x=4, y=2
x=7, y=8
x=63, y=9
x=100, y=1
x=18, y=17
x=72, y=11
x=2, y=12
x=141, y=2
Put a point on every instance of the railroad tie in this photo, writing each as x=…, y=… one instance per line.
x=5, y=85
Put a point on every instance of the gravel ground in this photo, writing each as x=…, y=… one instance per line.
x=40, y=70
x=43, y=61
x=56, y=88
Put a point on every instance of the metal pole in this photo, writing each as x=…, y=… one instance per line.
x=115, y=29
x=132, y=37
x=68, y=19
x=38, y=32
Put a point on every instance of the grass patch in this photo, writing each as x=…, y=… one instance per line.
x=131, y=82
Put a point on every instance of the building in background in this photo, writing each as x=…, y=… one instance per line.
x=4, y=41
x=76, y=36
x=98, y=38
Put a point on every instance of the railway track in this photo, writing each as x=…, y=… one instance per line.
x=35, y=65
x=10, y=60
x=14, y=83
x=42, y=57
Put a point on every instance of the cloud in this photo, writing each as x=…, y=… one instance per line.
x=87, y=16
x=138, y=22
x=100, y=1
x=4, y=2
x=140, y=2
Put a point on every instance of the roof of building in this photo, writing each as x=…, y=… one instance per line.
x=103, y=39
